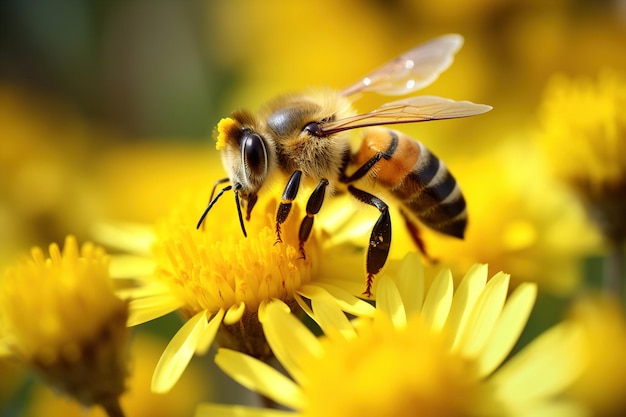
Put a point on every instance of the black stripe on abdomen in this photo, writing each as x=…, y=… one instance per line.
x=432, y=194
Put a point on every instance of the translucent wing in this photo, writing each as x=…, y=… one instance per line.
x=412, y=71
x=410, y=110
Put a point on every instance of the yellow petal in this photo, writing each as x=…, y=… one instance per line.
x=438, y=300
x=289, y=339
x=146, y=309
x=484, y=316
x=508, y=328
x=178, y=353
x=346, y=301
x=389, y=301
x=410, y=283
x=276, y=303
x=260, y=377
x=303, y=305
x=235, y=313
x=544, y=368
x=464, y=300
x=331, y=319
x=207, y=336
x=214, y=410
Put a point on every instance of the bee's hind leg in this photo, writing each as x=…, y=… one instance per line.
x=380, y=239
x=312, y=208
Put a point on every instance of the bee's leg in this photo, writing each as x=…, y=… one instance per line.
x=291, y=190
x=380, y=239
x=312, y=208
x=416, y=235
x=369, y=164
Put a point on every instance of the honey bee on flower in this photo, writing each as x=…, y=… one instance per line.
x=304, y=137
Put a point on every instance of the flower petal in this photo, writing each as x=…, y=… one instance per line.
x=464, y=300
x=223, y=410
x=346, y=301
x=542, y=369
x=508, y=328
x=289, y=339
x=235, y=313
x=146, y=309
x=484, y=316
x=260, y=377
x=437, y=303
x=389, y=301
x=178, y=353
x=410, y=283
x=331, y=319
x=208, y=335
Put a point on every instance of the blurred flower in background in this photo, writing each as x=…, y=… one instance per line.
x=60, y=317
x=107, y=108
x=583, y=133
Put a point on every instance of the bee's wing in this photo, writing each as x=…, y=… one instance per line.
x=412, y=71
x=410, y=110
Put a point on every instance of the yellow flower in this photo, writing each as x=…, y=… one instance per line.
x=60, y=316
x=603, y=384
x=583, y=132
x=432, y=353
x=220, y=280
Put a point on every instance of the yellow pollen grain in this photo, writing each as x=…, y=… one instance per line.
x=223, y=127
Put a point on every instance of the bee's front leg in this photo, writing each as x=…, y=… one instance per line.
x=313, y=207
x=380, y=239
x=290, y=193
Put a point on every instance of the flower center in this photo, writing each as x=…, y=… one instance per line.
x=216, y=267
x=388, y=371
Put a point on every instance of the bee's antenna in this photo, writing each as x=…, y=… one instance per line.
x=218, y=182
x=237, y=189
x=213, y=201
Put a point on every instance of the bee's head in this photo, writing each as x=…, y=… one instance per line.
x=246, y=156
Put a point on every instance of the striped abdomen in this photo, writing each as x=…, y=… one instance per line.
x=417, y=178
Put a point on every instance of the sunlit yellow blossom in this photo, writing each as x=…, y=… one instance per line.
x=220, y=280
x=431, y=352
x=583, y=131
x=61, y=317
x=603, y=384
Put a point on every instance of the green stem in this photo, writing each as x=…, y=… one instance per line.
x=614, y=268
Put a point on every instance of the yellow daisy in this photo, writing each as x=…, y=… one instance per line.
x=220, y=280
x=425, y=352
x=60, y=317
x=583, y=132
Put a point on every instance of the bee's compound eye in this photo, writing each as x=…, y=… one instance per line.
x=314, y=129
x=254, y=155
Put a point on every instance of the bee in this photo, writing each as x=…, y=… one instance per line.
x=305, y=136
